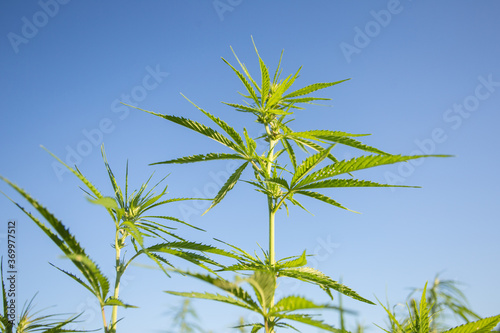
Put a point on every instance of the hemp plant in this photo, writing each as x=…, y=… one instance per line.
x=30, y=321
x=129, y=213
x=272, y=103
x=422, y=316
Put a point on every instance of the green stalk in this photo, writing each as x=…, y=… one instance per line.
x=271, y=158
x=272, y=213
x=104, y=319
x=271, y=234
x=118, y=246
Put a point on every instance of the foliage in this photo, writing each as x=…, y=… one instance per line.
x=420, y=319
x=30, y=321
x=445, y=297
x=129, y=213
x=185, y=319
x=272, y=103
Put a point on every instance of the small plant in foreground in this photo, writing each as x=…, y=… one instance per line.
x=445, y=298
x=129, y=213
x=30, y=321
x=421, y=319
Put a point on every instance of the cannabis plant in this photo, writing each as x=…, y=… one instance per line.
x=130, y=214
x=421, y=319
x=272, y=103
x=444, y=298
x=30, y=321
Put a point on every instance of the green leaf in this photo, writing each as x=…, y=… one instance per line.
x=359, y=163
x=314, y=276
x=314, y=146
x=324, y=198
x=202, y=158
x=227, y=186
x=266, y=81
x=278, y=181
x=485, y=325
x=175, y=220
x=195, y=126
x=76, y=278
x=66, y=242
x=293, y=303
x=309, y=164
x=106, y=202
x=247, y=85
x=222, y=124
x=78, y=174
x=264, y=286
x=227, y=286
x=213, y=297
x=296, y=262
x=330, y=183
x=323, y=134
x=306, y=319
x=311, y=88
x=277, y=95
x=307, y=100
x=290, y=152
x=243, y=108
x=338, y=139
x=111, y=301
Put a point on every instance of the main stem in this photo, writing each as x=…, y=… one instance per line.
x=272, y=213
x=270, y=202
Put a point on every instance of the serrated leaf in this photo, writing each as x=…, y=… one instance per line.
x=294, y=302
x=266, y=81
x=202, y=158
x=331, y=183
x=243, y=108
x=227, y=286
x=314, y=146
x=233, y=179
x=106, y=202
x=247, y=85
x=67, y=242
x=200, y=128
x=264, y=286
x=308, y=165
x=311, y=88
x=485, y=325
x=111, y=301
x=306, y=319
x=323, y=198
x=80, y=176
x=359, y=163
x=291, y=153
x=296, y=262
x=314, y=276
x=222, y=124
x=213, y=297
x=278, y=181
x=338, y=139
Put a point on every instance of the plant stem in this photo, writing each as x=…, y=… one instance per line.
x=272, y=213
x=118, y=267
x=104, y=319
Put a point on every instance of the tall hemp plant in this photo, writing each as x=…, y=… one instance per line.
x=134, y=224
x=272, y=103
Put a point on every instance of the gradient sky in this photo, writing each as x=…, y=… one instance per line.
x=425, y=76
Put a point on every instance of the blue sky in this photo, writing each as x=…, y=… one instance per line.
x=424, y=76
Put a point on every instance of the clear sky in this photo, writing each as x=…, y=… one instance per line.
x=425, y=76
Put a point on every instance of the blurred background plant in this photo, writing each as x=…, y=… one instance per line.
x=33, y=321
